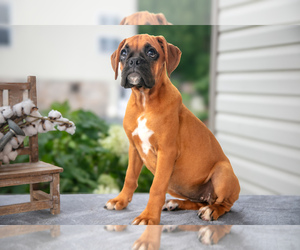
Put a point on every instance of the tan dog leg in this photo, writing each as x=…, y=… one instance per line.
x=164, y=169
x=226, y=188
x=171, y=205
x=133, y=171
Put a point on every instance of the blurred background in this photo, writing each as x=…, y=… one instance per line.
x=241, y=78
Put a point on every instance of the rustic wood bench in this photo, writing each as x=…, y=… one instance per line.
x=34, y=171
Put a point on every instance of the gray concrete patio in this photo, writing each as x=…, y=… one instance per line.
x=87, y=209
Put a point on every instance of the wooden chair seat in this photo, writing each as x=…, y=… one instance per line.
x=34, y=171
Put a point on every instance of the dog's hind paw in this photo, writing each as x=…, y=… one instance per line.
x=205, y=236
x=170, y=228
x=170, y=205
x=205, y=213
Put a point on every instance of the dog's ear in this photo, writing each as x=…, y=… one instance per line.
x=123, y=21
x=161, y=19
x=172, y=54
x=115, y=59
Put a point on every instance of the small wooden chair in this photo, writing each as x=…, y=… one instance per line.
x=34, y=171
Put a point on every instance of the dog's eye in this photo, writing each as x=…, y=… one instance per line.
x=151, y=53
x=123, y=53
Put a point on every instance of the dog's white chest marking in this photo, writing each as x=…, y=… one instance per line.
x=144, y=133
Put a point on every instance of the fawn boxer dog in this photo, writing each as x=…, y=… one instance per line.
x=145, y=18
x=183, y=155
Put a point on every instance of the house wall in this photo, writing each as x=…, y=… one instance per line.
x=255, y=92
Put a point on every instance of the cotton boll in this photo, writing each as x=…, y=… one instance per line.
x=49, y=125
x=7, y=149
x=54, y=115
x=24, y=107
x=17, y=109
x=27, y=106
x=61, y=128
x=71, y=129
x=30, y=130
x=5, y=159
x=20, y=139
x=12, y=155
x=14, y=142
x=35, y=113
x=6, y=111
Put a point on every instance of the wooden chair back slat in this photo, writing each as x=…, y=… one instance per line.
x=1, y=97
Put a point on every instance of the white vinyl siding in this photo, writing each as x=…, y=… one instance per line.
x=256, y=93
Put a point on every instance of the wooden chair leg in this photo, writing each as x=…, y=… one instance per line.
x=33, y=187
x=55, y=231
x=55, y=194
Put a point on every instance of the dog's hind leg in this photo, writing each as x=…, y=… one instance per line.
x=171, y=205
x=226, y=188
x=184, y=204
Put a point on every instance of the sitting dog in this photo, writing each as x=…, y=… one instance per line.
x=145, y=18
x=183, y=155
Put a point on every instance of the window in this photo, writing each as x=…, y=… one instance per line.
x=106, y=19
x=4, y=22
x=109, y=44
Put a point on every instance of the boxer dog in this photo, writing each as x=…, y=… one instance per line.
x=145, y=18
x=183, y=155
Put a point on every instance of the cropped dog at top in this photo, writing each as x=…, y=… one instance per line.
x=145, y=18
x=184, y=156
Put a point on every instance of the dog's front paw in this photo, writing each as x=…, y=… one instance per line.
x=146, y=219
x=116, y=204
x=170, y=205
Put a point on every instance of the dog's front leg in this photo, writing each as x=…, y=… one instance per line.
x=135, y=164
x=164, y=169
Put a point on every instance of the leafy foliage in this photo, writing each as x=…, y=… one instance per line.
x=187, y=12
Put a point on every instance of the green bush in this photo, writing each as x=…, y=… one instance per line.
x=86, y=155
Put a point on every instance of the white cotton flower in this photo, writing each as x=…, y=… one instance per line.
x=6, y=111
x=20, y=139
x=35, y=113
x=27, y=106
x=12, y=155
x=54, y=114
x=7, y=149
x=30, y=130
x=24, y=107
x=14, y=142
x=5, y=159
x=45, y=126
x=62, y=124
x=71, y=128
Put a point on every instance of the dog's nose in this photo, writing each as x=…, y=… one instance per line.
x=134, y=62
